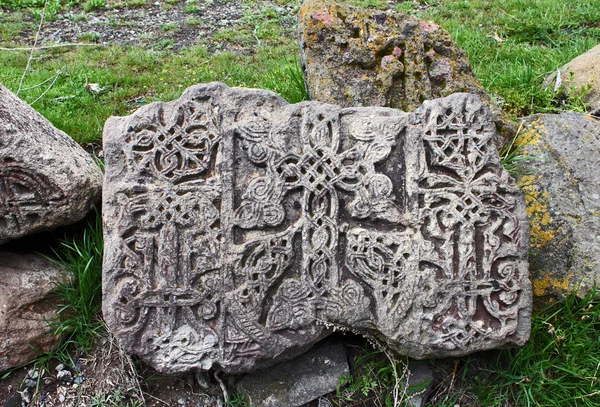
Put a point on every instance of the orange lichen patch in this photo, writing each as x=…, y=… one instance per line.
x=546, y=285
x=542, y=230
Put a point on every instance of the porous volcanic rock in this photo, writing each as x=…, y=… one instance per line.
x=27, y=304
x=582, y=74
x=363, y=57
x=46, y=179
x=238, y=227
x=561, y=184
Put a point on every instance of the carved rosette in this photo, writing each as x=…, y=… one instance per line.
x=237, y=226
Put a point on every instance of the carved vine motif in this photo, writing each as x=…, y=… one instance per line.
x=26, y=197
x=169, y=270
x=175, y=146
x=321, y=171
x=469, y=211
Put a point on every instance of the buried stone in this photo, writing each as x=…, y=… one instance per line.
x=238, y=227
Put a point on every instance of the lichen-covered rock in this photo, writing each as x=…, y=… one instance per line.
x=27, y=305
x=581, y=75
x=356, y=57
x=46, y=179
x=237, y=226
x=561, y=184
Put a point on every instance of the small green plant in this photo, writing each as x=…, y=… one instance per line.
x=237, y=399
x=512, y=155
x=374, y=380
x=135, y=3
x=191, y=8
x=114, y=399
x=94, y=5
x=89, y=37
x=169, y=27
x=77, y=17
x=193, y=21
x=164, y=44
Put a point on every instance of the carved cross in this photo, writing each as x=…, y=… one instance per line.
x=320, y=169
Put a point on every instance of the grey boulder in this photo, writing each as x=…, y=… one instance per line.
x=581, y=76
x=239, y=228
x=46, y=179
x=561, y=184
x=27, y=305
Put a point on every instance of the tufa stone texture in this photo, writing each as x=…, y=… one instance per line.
x=357, y=57
x=562, y=190
x=582, y=73
x=238, y=227
x=27, y=285
x=46, y=179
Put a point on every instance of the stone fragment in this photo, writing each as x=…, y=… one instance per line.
x=581, y=75
x=364, y=57
x=46, y=179
x=298, y=381
x=27, y=303
x=561, y=184
x=238, y=227
x=418, y=383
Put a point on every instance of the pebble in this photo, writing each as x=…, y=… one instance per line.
x=61, y=398
x=64, y=375
x=182, y=401
x=33, y=374
x=60, y=367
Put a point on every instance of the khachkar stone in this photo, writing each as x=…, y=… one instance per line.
x=237, y=226
x=355, y=56
x=46, y=179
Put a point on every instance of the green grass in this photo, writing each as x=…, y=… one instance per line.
x=79, y=310
x=133, y=74
x=514, y=44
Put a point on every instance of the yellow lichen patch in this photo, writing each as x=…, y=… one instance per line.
x=530, y=137
x=540, y=221
x=547, y=285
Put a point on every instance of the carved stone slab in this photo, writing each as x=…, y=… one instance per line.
x=46, y=179
x=238, y=227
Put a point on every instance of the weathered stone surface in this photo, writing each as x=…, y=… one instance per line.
x=297, y=381
x=237, y=225
x=46, y=179
x=417, y=383
x=561, y=184
x=357, y=57
x=26, y=306
x=581, y=72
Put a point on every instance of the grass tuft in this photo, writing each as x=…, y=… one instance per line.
x=79, y=311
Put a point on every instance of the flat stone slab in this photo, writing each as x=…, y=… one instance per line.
x=298, y=381
x=238, y=227
x=46, y=179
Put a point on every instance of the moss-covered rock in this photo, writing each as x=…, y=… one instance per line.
x=357, y=57
x=561, y=185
